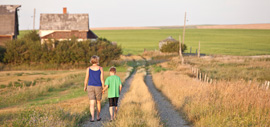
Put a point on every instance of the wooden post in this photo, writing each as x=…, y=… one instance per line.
x=211, y=81
x=200, y=76
x=197, y=73
x=184, y=30
x=205, y=77
x=34, y=17
x=199, y=51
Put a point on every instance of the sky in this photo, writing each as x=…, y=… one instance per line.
x=122, y=13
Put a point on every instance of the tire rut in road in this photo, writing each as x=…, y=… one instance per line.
x=168, y=114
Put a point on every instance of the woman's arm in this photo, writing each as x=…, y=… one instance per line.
x=86, y=79
x=102, y=77
x=105, y=88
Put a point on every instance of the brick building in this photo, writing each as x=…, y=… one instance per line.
x=65, y=26
x=9, y=25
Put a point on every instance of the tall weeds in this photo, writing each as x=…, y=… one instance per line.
x=223, y=104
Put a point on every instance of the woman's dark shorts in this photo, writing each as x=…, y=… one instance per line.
x=113, y=101
x=94, y=92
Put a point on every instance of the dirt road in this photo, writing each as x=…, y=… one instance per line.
x=168, y=114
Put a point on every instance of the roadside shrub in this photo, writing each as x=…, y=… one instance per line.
x=173, y=47
x=3, y=86
x=158, y=68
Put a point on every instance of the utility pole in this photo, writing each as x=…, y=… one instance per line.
x=180, y=50
x=180, y=47
x=184, y=27
x=34, y=17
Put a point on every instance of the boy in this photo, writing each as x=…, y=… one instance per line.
x=114, y=86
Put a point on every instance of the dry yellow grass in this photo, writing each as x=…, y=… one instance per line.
x=223, y=104
x=137, y=107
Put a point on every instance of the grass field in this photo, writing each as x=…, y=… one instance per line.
x=213, y=41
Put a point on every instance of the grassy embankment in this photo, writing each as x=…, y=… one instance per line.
x=137, y=107
x=213, y=41
x=231, y=68
x=59, y=101
x=234, y=103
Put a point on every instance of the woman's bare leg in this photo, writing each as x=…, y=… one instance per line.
x=98, y=109
x=92, y=108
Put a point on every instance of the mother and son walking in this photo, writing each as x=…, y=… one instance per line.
x=95, y=87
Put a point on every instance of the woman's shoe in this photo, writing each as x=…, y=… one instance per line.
x=99, y=119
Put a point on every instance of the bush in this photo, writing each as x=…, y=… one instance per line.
x=172, y=47
x=2, y=52
x=29, y=50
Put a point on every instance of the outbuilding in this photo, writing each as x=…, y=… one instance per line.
x=166, y=41
x=9, y=24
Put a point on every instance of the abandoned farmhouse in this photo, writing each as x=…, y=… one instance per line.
x=65, y=26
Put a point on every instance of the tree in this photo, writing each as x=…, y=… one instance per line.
x=172, y=47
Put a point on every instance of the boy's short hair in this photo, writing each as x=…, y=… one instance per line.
x=113, y=69
x=94, y=59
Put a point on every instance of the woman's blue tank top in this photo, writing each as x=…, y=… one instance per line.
x=94, y=78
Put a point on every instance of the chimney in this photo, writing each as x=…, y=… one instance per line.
x=65, y=10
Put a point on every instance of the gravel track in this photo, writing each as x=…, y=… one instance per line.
x=168, y=114
x=104, y=113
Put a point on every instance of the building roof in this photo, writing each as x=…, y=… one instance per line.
x=64, y=22
x=169, y=39
x=8, y=9
x=69, y=34
x=8, y=19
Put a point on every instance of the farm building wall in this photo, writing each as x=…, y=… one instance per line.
x=3, y=39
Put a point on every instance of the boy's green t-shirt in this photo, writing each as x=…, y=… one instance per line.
x=113, y=83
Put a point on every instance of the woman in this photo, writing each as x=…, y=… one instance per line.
x=93, y=84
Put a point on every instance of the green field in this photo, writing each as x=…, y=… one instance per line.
x=213, y=41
